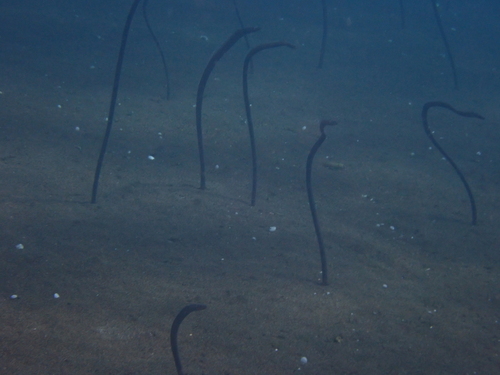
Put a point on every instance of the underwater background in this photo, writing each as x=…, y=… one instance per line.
x=413, y=285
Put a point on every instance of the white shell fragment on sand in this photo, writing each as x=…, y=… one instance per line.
x=19, y=246
x=14, y=296
x=272, y=229
x=151, y=157
x=303, y=360
x=56, y=295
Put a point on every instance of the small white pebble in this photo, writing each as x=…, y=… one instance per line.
x=392, y=228
x=19, y=246
x=14, y=296
x=304, y=127
x=151, y=157
x=59, y=106
x=254, y=238
x=217, y=166
x=384, y=285
x=272, y=229
x=303, y=360
x=478, y=153
x=56, y=295
x=77, y=128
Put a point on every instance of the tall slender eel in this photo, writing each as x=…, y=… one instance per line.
x=114, y=94
x=310, y=196
x=238, y=34
x=425, y=109
x=446, y=45
x=324, y=35
x=248, y=59
x=158, y=47
x=175, y=328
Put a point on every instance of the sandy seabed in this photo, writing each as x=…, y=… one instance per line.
x=413, y=286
